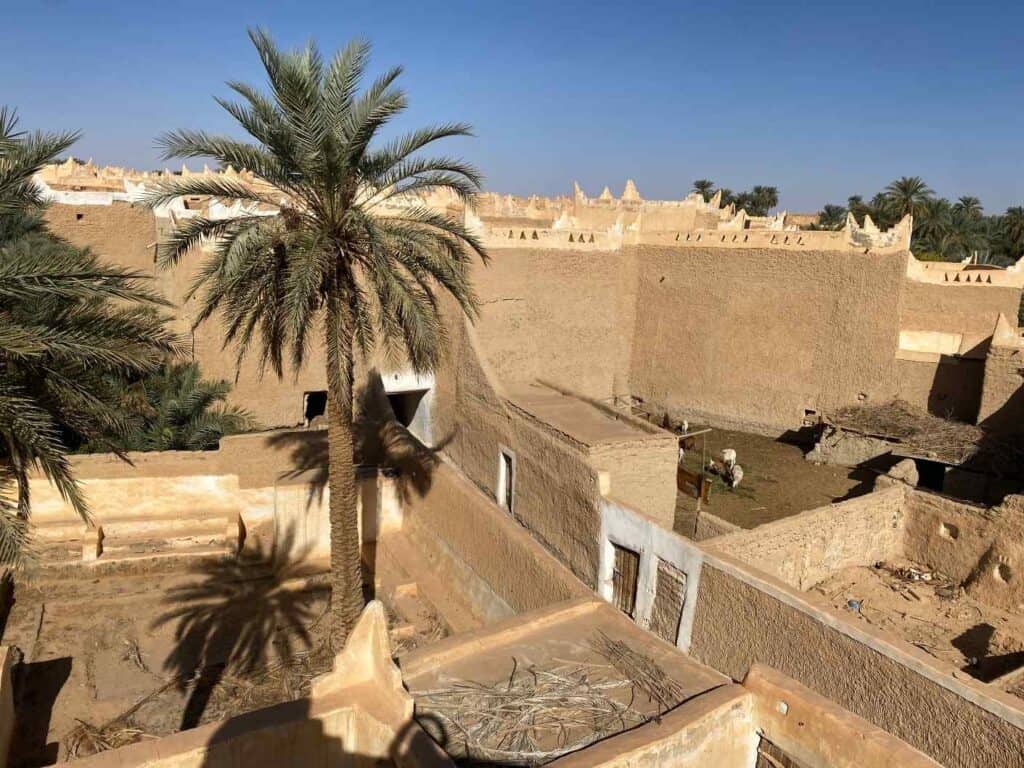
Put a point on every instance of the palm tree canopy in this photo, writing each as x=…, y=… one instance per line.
x=69, y=324
x=176, y=409
x=970, y=206
x=765, y=198
x=351, y=248
x=705, y=187
x=832, y=216
x=906, y=193
x=22, y=155
x=1013, y=231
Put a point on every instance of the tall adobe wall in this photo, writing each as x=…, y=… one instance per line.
x=126, y=234
x=557, y=315
x=754, y=337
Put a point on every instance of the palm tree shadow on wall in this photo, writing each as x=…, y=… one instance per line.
x=236, y=617
x=382, y=444
x=381, y=441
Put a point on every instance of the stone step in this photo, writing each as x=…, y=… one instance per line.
x=132, y=528
x=179, y=560
x=452, y=609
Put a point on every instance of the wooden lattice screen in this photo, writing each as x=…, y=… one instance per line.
x=669, y=597
x=624, y=574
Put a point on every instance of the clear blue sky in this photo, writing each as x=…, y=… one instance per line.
x=821, y=99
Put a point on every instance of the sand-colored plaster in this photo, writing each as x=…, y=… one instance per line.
x=714, y=729
x=819, y=733
x=454, y=521
x=740, y=622
x=807, y=548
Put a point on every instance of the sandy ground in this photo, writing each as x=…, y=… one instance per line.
x=114, y=660
x=777, y=481
x=935, y=615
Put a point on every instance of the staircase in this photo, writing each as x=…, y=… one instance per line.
x=134, y=545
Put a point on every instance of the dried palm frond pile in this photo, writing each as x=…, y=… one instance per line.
x=280, y=680
x=88, y=739
x=922, y=434
x=534, y=716
x=641, y=670
x=537, y=715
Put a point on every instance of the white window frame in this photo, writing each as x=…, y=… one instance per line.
x=505, y=487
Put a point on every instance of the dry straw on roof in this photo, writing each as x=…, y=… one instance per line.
x=921, y=434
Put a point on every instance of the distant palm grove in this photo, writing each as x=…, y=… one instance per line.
x=943, y=230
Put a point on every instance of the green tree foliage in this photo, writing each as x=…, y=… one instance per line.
x=943, y=230
x=704, y=187
x=69, y=324
x=175, y=409
x=757, y=202
x=334, y=267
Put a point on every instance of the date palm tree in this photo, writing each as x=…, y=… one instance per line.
x=350, y=252
x=832, y=217
x=969, y=206
x=1013, y=231
x=905, y=194
x=176, y=409
x=765, y=198
x=705, y=187
x=932, y=227
x=68, y=323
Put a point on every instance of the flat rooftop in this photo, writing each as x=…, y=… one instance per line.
x=561, y=644
x=577, y=418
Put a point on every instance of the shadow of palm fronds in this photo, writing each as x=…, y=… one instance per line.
x=380, y=441
x=238, y=618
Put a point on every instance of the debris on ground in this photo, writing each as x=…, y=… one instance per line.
x=542, y=712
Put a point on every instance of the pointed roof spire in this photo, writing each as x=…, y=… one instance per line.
x=630, y=192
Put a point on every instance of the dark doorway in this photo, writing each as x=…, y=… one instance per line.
x=315, y=405
x=404, y=404
x=930, y=474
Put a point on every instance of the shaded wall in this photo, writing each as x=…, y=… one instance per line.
x=1002, y=400
x=556, y=490
x=454, y=521
x=950, y=387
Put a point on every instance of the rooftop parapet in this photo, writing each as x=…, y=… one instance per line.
x=966, y=272
x=1007, y=334
x=565, y=234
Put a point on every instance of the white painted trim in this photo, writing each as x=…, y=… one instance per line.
x=627, y=528
x=500, y=486
x=406, y=381
x=400, y=382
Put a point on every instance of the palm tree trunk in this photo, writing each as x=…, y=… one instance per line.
x=346, y=565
